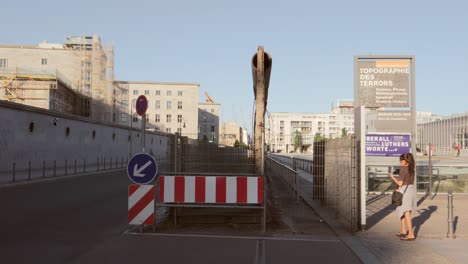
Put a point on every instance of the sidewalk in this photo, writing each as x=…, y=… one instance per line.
x=430, y=226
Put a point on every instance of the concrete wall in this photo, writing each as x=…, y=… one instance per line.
x=49, y=142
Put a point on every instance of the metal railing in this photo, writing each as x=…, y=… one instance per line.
x=27, y=171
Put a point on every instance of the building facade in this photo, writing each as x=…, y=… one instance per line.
x=230, y=133
x=292, y=132
x=444, y=134
x=208, y=122
x=172, y=107
x=83, y=63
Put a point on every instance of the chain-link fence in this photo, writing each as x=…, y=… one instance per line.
x=327, y=181
x=205, y=158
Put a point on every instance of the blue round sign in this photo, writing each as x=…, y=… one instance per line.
x=142, y=168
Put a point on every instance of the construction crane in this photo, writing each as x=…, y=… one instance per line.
x=208, y=98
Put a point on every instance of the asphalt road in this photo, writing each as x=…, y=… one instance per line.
x=83, y=219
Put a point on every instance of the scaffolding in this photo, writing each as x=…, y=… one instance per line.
x=95, y=66
x=44, y=90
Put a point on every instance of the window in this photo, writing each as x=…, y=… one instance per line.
x=168, y=118
x=179, y=130
x=147, y=117
x=135, y=92
x=158, y=92
x=43, y=61
x=86, y=64
x=212, y=128
x=123, y=118
x=3, y=63
x=123, y=104
x=146, y=92
x=124, y=92
x=87, y=87
x=87, y=76
x=169, y=105
x=169, y=93
x=179, y=118
x=157, y=118
x=168, y=130
x=179, y=93
x=135, y=118
x=158, y=104
x=179, y=105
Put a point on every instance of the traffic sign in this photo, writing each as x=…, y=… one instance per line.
x=141, y=105
x=142, y=168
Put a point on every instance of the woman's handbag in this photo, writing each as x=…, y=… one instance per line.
x=397, y=196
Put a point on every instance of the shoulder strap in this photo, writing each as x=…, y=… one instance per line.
x=406, y=184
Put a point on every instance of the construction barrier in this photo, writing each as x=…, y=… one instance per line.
x=230, y=190
x=141, y=204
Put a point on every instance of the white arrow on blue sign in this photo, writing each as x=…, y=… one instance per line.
x=142, y=168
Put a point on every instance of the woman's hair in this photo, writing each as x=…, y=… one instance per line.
x=408, y=157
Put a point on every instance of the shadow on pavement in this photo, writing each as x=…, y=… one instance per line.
x=455, y=222
x=425, y=214
x=383, y=208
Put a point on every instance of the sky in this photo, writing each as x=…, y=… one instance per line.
x=312, y=43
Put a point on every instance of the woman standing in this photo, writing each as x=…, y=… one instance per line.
x=405, y=181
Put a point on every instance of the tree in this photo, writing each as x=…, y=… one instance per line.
x=344, y=132
x=297, y=140
x=318, y=137
x=237, y=143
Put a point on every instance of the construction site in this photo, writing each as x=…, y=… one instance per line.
x=75, y=77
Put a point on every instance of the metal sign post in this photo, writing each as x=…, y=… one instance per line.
x=141, y=107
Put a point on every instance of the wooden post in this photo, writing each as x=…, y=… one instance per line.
x=259, y=110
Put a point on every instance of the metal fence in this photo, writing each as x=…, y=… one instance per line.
x=438, y=171
x=202, y=157
x=328, y=182
x=55, y=168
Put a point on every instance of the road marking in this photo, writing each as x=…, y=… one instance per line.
x=334, y=240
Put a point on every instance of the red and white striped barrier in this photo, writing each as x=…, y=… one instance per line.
x=211, y=189
x=141, y=204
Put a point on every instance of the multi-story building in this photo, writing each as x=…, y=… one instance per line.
x=208, y=119
x=172, y=107
x=230, y=133
x=83, y=63
x=445, y=133
x=289, y=132
x=46, y=92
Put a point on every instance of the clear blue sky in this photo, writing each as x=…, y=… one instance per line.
x=312, y=44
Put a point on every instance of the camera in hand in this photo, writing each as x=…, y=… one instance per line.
x=396, y=172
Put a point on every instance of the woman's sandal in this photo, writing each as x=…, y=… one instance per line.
x=400, y=235
x=407, y=238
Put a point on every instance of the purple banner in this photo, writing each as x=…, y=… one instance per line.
x=387, y=145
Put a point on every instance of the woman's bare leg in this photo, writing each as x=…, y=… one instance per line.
x=403, y=225
x=409, y=224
